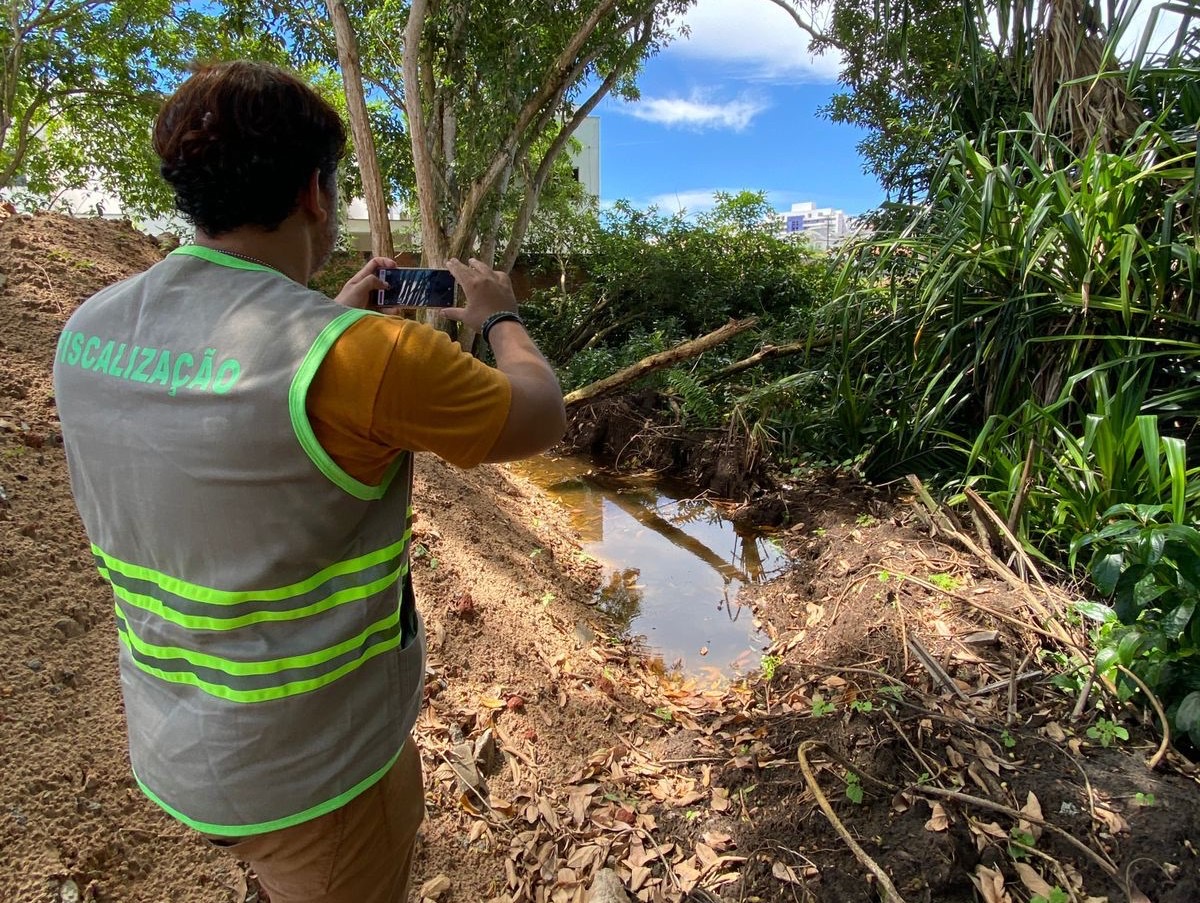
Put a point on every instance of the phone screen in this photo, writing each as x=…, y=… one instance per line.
x=416, y=287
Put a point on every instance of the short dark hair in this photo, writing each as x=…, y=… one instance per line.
x=239, y=140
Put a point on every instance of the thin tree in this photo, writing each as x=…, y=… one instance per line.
x=360, y=129
x=478, y=108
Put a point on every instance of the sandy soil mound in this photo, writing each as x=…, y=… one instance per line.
x=490, y=558
x=912, y=698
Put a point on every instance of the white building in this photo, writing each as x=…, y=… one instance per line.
x=824, y=227
x=586, y=161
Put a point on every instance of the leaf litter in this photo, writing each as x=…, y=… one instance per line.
x=560, y=758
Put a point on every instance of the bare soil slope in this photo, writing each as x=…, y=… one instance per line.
x=552, y=750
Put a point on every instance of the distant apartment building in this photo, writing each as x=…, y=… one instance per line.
x=824, y=227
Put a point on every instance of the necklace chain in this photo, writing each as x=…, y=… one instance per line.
x=248, y=258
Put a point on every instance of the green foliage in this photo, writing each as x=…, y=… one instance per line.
x=948, y=582
x=79, y=79
x=1148, y=565
x=1030, y=327
x=699, y=406
x=1057, y=895
x=1144, y=799
x=1020, y=840
x=1107, y=732
x=770, y=664
x=821, y=707
x=854, y=788
x=646, y=273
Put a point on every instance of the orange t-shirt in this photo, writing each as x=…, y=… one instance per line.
x=390, y=385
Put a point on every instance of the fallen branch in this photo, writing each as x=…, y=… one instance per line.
x=1165, y=744
x=1015, y=544
x=683, y=352
x=768, y=353
x=887, y=889
x=1052, y=625
x=936, y=671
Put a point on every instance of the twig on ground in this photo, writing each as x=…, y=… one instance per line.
x=646, y=835
x=1084, y=693
x=1054, y=627
x=887, y=889
x=934, y=771
x=1025, y=626
x=488, y=808
x=1012, y=688
x=998, y=684
x=934, y=668
x=1157, y=758
x=977, y=500
x=852, y=669
x=1108, y=867
x=1087, y=782
x=1059, y=871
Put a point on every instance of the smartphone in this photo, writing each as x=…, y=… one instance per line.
x=416, y=287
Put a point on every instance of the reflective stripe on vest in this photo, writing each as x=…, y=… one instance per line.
x=156, y=613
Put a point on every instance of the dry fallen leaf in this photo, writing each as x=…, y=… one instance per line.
x=1054, y=731
x=940, y=821
x=991, y=885
x=785, y=873
x=1115, y=823
x=1033, y=809
x=1032, y=880
x=720, y=799
x=435, y=888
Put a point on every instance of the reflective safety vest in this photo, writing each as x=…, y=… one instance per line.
x=271, y=657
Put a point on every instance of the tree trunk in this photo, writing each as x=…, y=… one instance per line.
x=360, y=130
x=433, y=239
x=682, y=352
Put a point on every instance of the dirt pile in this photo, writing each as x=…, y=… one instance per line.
x=935, y=719
x=489, y=559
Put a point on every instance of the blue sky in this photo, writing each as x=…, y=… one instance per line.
x=733, y=106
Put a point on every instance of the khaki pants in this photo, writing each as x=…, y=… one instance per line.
x=360, y=853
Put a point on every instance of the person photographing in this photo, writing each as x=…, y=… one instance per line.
x=241, y=451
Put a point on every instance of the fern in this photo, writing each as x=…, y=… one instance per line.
x=699, y=405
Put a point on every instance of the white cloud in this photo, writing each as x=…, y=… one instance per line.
x=694, y=201
x=696, y=112
x=756, y=35
x=766, y=43
x=700, y=200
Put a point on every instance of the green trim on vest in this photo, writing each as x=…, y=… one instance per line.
x=192, y=622
x=282, y=691
x=212, y=255
x=212, y=596
x=297, y=406
x=252, y=668
x=263, y=827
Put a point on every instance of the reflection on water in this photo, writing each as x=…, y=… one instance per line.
x=674, y=565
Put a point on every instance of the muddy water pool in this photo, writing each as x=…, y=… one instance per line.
x=673, y=566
